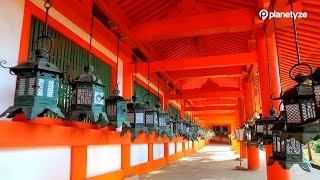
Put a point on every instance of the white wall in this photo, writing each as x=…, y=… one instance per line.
x=11, y=16
x=49, y=163
x=190, y=144
x=102, y=159
x=158, y=151
x=186, y=146
x=179, y=146
x=138, y=154
x=172, y=148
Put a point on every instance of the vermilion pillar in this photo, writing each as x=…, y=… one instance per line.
x=253, y=158
x=127, y=81
x=275, y=171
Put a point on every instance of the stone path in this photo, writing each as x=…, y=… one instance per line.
x=215, y=162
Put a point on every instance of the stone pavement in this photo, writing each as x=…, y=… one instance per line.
x=215, y=162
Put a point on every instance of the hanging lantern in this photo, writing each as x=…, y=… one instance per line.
x=240, y=133
x=116, y=109
x=136, y=117
x=263, y=127
x=170, y=127
x=162, y=121
x=250, y=130
x=299, y=101
x=287, y=150
x=180, y=126
x=88, y=99
x=151, y=117
x=37, y=82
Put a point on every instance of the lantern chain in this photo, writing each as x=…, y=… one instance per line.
x=47, y=6
x=295, y=34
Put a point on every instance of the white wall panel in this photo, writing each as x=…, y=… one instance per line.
x=11, y=16
x=102, y=159
x=46, y=163
x=190, y=144
x=186, y=146
x=179, y=146
x=172, y=148
x=138, y=154
x=158, y=151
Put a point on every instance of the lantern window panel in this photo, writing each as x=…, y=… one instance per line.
x=155, y=118
x=130, y=117
x=308, y=110
x=84, y=96
x=274, y=143
x=283, y=146
x=32, y=85
x=317, y=94
x=50, y=88
x=260, y=128
x=278, y=145
x=139, y=118
x=293, y=146
x=99, y=99
x=293, y=113
x=22, y=87
x=269, y=132
x=40, y=87
x=149, y=118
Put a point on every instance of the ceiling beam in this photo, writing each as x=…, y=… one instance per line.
x=217, y=102
x=196, y=25
x=207, y=94
x=205, y=116
x=200, y=62
x=205, y=108
x=281, y=6
x=232, y=71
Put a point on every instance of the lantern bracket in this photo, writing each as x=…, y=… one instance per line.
x=301, y=77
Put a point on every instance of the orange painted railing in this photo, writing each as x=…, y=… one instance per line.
x=55, y=132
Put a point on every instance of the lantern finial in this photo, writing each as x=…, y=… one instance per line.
x=273, y=112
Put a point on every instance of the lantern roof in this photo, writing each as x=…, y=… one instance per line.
x=88, y=76
x=40, y=63
x=279, y=126
x=115, y=96
x=148, y=106
x=135, y=104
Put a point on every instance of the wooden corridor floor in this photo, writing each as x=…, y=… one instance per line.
x=215, y=162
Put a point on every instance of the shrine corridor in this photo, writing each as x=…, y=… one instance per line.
x=215, y=162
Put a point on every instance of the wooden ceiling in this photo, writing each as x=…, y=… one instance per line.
x=196, y=41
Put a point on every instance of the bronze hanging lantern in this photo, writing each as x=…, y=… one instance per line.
x=250, y=130
x=171, y=127
x=37, y=82
x=135, y=114
x=151, y=117
x=116, y=106
x=88, y=96
x=180, y=126
x=263, y=127
x=286, y=149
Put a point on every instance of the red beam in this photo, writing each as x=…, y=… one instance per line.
x=196, y=25
x=220, y=102
x=233, y=71
x=205, y=108
x=200, y=62
x=192, y=95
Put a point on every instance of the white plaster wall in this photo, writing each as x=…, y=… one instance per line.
x=102, y=159
x=190, y=144
x=186, y=146
x=158, y=151
x=179, y=146
x=49, y=163
x=172, y=148
x=138, y=154
x=11, y=16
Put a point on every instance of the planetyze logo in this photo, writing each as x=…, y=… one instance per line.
x=264, y=14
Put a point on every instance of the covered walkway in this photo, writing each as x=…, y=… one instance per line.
x=215, y=162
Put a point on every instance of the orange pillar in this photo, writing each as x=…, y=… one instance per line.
x=125, y=159
x=182, y=108
x=78, y=162
x=274, y=171
x=253, y=158
x=166, y=152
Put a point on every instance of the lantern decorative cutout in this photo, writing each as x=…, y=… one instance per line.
x=264, y=125
x=287, y=150
x=37, y=81
x=299, y=102
x=136, y=117
x=88, y=98
x=151, y=117
x=162, y=121
x=116, y=109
